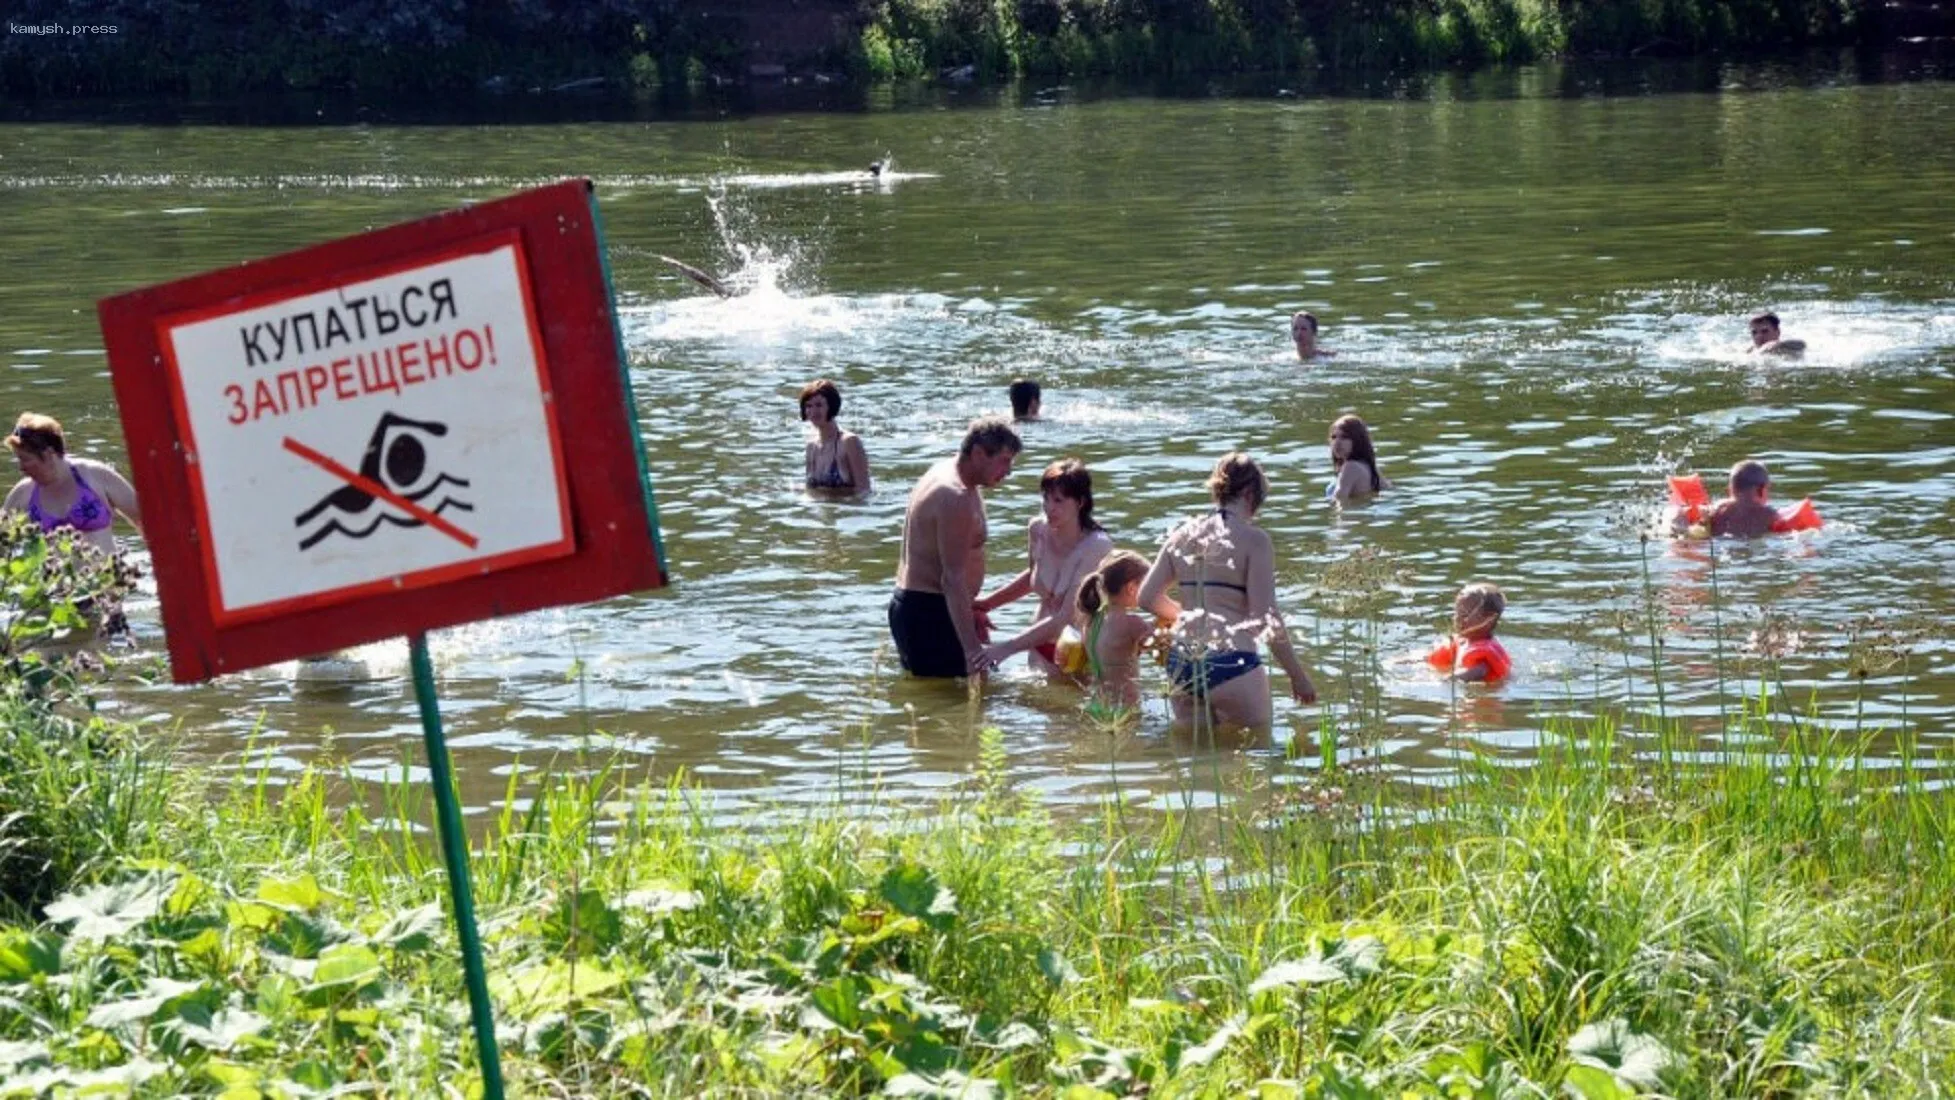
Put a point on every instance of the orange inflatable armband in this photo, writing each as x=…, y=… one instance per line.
x=1800, y=517
x=1688, y=497
x=1443, y=655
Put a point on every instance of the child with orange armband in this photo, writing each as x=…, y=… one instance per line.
x=1745, y=513
x=1471, y=654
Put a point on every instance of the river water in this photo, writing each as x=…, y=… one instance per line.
x=1536, y=282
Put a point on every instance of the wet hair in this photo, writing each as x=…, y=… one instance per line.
x=1237, y=477
x=1120, y=569
x=1480, y=604
x=1749, y=474
x=1023, y=393
x=1361, y=446
x=1070, y=478
x=822, y=387
x=39, y=434
x=1768, y=317
x=993, y=433
x=1303, y=315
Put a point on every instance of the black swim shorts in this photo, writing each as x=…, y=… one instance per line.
x=926, y=640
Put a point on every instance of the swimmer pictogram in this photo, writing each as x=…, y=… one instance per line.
x=394, y=474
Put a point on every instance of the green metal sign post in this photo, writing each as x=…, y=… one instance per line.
x=454, y=852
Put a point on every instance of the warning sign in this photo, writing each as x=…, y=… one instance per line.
x=400, y=424
x=377, y=436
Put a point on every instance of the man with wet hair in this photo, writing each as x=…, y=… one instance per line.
x=1765, y=339
x=1025, y=399
x=1746, y=514
x=1303, y=330
x=932, y=617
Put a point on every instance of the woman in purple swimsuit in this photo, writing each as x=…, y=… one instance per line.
x=57, y=491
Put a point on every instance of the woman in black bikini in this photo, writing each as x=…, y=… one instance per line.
x=837, y=463
x=1225, y=568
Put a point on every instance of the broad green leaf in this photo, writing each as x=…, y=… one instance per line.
x=141, y=1007
x=1610, y=1044
x=1592, y=1083
x=548, y=987
x=949, y=1085
x=221, y=1030
x=914, y=891
x=299, y=935
x=107, y=911
x=278, y=995
x=584, y=922
x=1206, y=1052
x=1056, y=969
x=17, y=1056
x=301, y=893
x=841, y=1001
x=413, y=930
x=349, y=965
x=661, y=900
x=24, y=954
x=1292, y=974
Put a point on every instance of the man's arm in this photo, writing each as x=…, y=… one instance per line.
x=955, y=534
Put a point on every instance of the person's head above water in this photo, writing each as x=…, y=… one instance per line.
x=1064, y=484
x=1750, y=480
x=831, y=396
x=1303, y=330
x=1237, y=480
x=38, y=433
x=1764, y=329
x=1122, y=569
x=990, y=446
x=1477, y=609
x=1350, y=439
x=1025, y=399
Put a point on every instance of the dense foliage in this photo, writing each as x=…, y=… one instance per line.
x=407, y=46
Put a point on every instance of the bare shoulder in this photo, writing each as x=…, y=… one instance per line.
x=17, y=496
x=94, y=466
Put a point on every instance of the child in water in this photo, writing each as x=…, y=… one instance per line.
x=1744, y=513
x=1471, y=654
x=1114, y=631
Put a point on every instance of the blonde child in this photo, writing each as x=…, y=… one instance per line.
x=1471, y=654
x=1113, y=631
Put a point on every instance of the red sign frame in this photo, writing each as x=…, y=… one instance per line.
x=612, y=522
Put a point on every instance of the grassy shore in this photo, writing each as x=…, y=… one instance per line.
x=1765, y=913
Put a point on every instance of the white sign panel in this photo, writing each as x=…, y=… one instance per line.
x=383, y=433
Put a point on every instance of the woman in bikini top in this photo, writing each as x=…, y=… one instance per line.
x=1066, y=544
x=58, y=491
x=1224, y=566
x=836, y=460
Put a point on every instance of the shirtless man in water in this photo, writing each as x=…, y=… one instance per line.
x=1765, y=338
x=941, y=570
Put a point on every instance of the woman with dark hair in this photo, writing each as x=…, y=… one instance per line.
x=57, y=491
x=1354, y=460
x=836, y=461
x=1225, y=568
x=1066, y=545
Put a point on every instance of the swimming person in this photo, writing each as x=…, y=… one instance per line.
x=1472, y=654
x=1225, y=568
x=835, y=459
x=1303, y=330
x=1114, y=632
x=1354, y=461
x=1765, y=338
x=1745, y=512
x=1025, y=400
x=940, y=569
x=1065, y=545
x=57, y=491
x=719, y=288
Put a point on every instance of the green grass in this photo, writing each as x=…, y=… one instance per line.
x=1762, y=913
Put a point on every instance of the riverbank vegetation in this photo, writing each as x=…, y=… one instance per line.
x=404, y=47
x=1761, y=908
